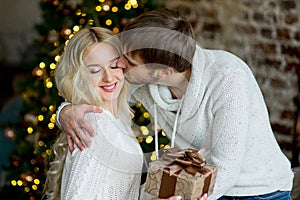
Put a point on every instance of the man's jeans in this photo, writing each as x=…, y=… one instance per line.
x=278, y=195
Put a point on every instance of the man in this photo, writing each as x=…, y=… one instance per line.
x=210, y=97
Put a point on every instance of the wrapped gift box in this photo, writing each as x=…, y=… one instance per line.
x=183, y=173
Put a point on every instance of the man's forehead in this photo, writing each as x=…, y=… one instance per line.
x=133, y=58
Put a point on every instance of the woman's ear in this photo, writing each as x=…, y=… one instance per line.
x=164, y=73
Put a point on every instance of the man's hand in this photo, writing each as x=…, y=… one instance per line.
x=72, y=121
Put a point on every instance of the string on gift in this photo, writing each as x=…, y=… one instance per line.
x=174, y=127
x=175, y=124
x=156, y=131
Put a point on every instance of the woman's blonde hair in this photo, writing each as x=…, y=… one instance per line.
x=73, y=82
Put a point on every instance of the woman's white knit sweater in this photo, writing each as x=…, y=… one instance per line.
x=110, y=169
x=224, y=112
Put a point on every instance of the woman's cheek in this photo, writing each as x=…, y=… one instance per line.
x=120, y=73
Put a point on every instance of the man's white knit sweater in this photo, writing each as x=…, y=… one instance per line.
x=224, y=112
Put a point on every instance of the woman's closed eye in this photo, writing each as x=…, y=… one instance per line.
x=95, y=70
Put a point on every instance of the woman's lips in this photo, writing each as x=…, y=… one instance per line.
x=109, y=88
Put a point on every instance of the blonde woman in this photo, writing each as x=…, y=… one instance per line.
x=111, y=167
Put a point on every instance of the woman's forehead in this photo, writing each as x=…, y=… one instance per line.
x=100, y=52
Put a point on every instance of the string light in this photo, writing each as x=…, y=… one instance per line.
x=48, y=152
x=81, y=21
x=51, y=125
x=91, y=22
x=35, y=151
x=56, y=43
x=29, y=130
x=114, y=9
x=144, y=130
x=52, y=66
x=29, y=178
x=52, y=108
x=36, y=181
x=34, y=187
x=133, y=3
x=78, y=12
x=98, y=8
x=56, y=2
x=37, y=71
x=153, y=156
x=52, y=119
x=57, y=58
x=70, y=36
x=44, y=155
x=149, y=139
x=36, y=169
x=108, y=22
x=146, y=114
x=13, y=182
x=41, y=143
x=106, y=7
x=52, y=73
x=127, y=6
x=76, y=28
x=116, y=30
x=40, y=118
x=67, y=31
x=138, y=105
x=67, y=42
x=20, y=183
x=49, y=83
x=42, y=65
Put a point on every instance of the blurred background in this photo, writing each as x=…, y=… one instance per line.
x=264, y=33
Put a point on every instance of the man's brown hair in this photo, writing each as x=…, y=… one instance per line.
x=161, y=36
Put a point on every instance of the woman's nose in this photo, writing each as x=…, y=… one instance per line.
x=107, y=75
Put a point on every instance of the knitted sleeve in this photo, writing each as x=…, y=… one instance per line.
x=229, y=134
x=109, y=169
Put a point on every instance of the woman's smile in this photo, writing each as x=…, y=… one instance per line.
x=109, y=88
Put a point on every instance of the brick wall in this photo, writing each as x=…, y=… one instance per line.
x=266, y=35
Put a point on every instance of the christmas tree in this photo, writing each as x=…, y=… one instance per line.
x=36, y=131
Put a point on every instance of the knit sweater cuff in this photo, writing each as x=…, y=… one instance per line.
x=62, y=105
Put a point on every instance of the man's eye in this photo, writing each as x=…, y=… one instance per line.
x=114, y=67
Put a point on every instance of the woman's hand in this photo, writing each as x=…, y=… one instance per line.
x=72, y=121
x=204, y=197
